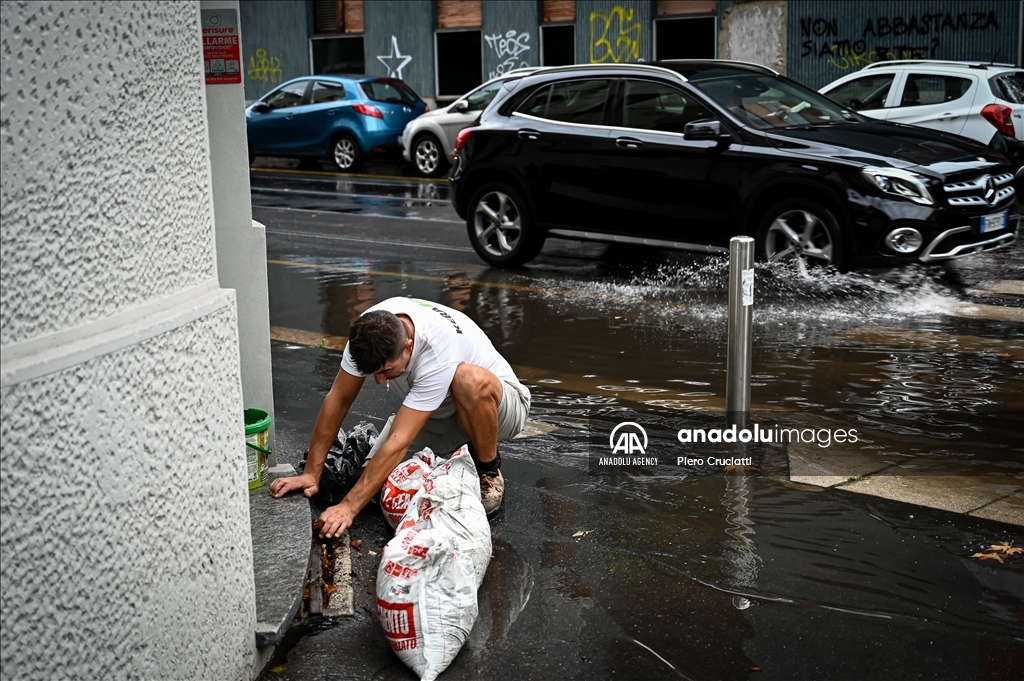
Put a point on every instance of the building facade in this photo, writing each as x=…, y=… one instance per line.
x=125, y=544
x=443, y=48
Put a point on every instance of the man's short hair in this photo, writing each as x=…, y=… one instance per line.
x=375, y=339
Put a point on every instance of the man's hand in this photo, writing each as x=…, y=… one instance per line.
x=334, y=521
x=305, y=482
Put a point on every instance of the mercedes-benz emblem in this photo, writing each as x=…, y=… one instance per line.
x=407, y=109
x=990, y=190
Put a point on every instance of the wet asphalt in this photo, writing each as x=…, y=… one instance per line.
x=683, y=572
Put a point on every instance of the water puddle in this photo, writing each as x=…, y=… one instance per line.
x=681, y=571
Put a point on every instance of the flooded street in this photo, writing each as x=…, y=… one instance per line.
x=687, y=571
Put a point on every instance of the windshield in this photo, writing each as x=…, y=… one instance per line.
x=389, y=90
x=766, y=102
x=481, y=97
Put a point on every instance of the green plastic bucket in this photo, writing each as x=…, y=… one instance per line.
x=257, y=425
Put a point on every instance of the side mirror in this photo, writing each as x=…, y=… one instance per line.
x=460, y=106
x=260, y=107
x=705, y=129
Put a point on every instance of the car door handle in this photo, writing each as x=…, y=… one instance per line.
x=628, y=143
x=331, y=112
x=289, y=117
x=528, y=134
x=948, y=116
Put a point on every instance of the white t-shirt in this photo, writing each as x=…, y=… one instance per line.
x=443, y=339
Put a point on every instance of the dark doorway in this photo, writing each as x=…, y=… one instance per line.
x=692, y=38
x=558, y=45
x=459, y=62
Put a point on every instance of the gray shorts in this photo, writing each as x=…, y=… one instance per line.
x=445, y=435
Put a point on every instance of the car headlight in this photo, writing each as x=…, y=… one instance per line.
x=902, y=183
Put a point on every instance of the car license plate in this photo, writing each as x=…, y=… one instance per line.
x=992, y=223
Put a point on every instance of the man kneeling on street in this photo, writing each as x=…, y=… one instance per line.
x=456, y=389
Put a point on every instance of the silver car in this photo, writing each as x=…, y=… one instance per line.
x=428, y=141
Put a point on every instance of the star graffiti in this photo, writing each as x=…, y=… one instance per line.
x=395, y=61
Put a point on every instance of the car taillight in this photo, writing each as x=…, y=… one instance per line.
x=1000, y=116
x=368, y=110
x=461, y=139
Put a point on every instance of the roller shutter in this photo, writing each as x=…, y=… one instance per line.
x=458, y=14
x=683, y=7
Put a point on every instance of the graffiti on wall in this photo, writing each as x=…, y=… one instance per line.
x=395, y=61
x=614, y=36
x=264, y=67
x=508, y=47
x=887, y=37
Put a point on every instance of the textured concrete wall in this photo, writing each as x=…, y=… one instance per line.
x=104, y=129
x=241, y=243
x=125, y=550
x=125, y=553
x=755, y=31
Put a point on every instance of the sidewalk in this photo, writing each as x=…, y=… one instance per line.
x=923, y=480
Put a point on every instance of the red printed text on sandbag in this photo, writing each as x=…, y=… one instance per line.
x=399, y=624
x=395, y=570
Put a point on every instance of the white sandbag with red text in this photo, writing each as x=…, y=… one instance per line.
x=430, y=572
x=404, y=482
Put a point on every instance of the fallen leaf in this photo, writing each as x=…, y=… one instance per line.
x=357, y=543
x=277, y=670
x=755, y=669
x=988, y=556
x=581, y=533
x=372, y=553
x=1006, y=547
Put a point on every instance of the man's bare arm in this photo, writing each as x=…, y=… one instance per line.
x=333, y=411
x=407, y=424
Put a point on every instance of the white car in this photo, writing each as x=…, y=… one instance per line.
x=428, y=141
x=978, y=101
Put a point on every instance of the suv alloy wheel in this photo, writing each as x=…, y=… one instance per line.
x=500, y=228
x=804, y=231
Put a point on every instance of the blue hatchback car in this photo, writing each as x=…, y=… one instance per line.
x=342, y=118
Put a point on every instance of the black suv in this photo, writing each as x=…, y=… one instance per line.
x=688, y=154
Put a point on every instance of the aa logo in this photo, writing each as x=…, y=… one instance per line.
x=628, y=440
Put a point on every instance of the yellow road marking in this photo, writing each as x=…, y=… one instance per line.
x=330, y=174
x=1010, y=287
x=993, y=313
x=934, y=340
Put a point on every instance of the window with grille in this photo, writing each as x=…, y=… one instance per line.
x=338, y=55
x=337, y=16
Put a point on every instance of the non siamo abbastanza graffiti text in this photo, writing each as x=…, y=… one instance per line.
x=917, y=36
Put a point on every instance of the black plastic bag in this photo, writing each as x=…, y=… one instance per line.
x=344, y=462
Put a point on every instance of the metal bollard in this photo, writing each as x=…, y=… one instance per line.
x=741, y=313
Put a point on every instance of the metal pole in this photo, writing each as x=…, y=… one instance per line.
x=741, y=313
